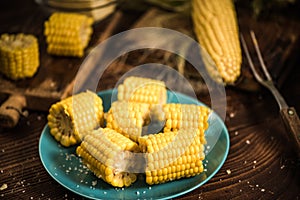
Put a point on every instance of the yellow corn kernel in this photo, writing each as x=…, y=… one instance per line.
x=70, y=119
x=128, y=118
x=67, y=34
x=184, y=116
x=104, y=152
x=142, y=90
x=19, y=55
x=216, y=28
x=169, y=161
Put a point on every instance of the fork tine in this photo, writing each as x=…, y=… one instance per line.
x=261, y=60
x=256, y=75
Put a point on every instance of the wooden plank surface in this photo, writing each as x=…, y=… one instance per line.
x=260, y=164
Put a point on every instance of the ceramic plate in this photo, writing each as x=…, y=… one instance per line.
x=65, y=167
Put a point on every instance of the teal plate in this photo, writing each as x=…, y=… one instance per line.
x=66, y=168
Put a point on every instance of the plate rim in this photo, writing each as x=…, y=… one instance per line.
x=108, y=91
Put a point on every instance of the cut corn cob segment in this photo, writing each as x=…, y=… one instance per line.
x=173, y=155
x=216, y=28
x=128, y=118
x=19, y=55
x=143, y=90
x=184, y=116
x=70, y=119
x=107, y=154
x=67, y=34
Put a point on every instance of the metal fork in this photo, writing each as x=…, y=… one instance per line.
x=288, y=114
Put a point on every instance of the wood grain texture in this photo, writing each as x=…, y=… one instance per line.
x=261, y=163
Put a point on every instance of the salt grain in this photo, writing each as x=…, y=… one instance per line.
x=236, y=133
x=94, y=183
x=231, y=115
x=248, y=142
x=228, y=171
x=262, y=190
x=3, y=187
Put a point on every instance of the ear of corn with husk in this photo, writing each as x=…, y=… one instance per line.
x=68, y=34
x=19, y=55
x=70, y=119
x=216, y=28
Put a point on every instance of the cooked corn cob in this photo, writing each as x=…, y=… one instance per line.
x=128, y=118
x=70, y=119
x=184, y=116
x=173, y=155
x=107, y=153
x=216, y=28
x=68, y=34
x=19, y=55
x=143, y=90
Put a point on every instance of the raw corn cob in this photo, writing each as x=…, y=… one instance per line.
x=70, y=119
x=19, y=55
x=184, y=116
x=107, y=154
x=67, y=34
x=216, y=28
x=173, y=155
x=128, y=118
x=143, y=90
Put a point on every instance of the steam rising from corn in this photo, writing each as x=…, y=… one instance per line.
x=120, y=151
x=68, y=34
x=101, y=149
x=19, y=55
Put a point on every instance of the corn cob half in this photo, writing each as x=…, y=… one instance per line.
x=173, y=155
x=19, y=55
x=107, y=154
x=67, y=34
x=142, y=90
x=216, y=28
x=70, y=119
x=128, y=118
x=184, y=116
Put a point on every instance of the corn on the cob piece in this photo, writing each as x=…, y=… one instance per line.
x=70, y=119
x=68, y=34
x=128, y=118
x=184, y=116
x=108, y=153
x=216, y=28
x=143, y=90
x=173, y=155
x=19, y=55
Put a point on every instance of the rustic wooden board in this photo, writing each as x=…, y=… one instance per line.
x=55, y=75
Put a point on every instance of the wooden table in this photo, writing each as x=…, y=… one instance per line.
x=260, y=164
